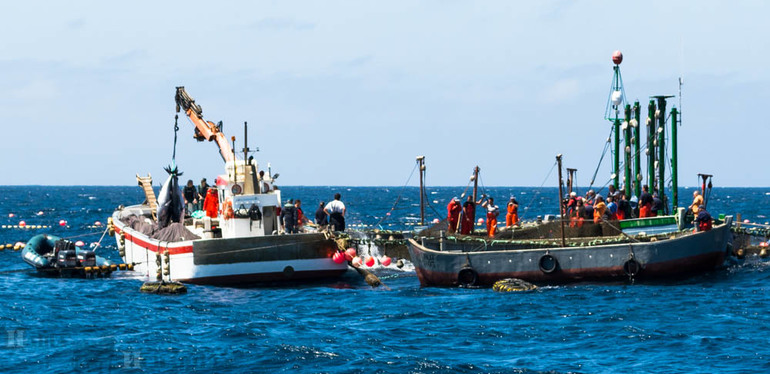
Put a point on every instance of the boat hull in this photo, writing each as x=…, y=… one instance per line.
x=231, y=261
x=685, y=255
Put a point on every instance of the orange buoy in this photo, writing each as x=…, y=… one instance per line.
x=22, y=224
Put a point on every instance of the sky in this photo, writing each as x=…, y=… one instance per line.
x=348, y=93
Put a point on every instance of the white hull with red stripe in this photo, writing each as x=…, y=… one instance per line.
x=228, y=261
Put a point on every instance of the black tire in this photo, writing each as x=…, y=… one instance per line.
x=548, y=264
x=467, y=277
x=632, y=267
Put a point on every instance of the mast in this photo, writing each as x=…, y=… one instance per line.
x=674, y=160
x=570, y=179
x=614, y=103
x=561, y=206
x=637, y=151
x=421, y=163
x=627, y=151
x=660, y=115
x=475, y=183
x=651, y=146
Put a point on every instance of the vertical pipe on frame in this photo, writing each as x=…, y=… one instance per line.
x=616, y=167
x=651, y=146
x=561, y=206
x=627, y=151
x=674, y=160
x=421, y=163
x=637, y=150
x=661, y=132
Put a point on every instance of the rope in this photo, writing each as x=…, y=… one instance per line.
x=176, y=130
x=604, y=153
x=537, y=192
x=398, y=199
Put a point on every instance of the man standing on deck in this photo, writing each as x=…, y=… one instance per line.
x=289, y=217
x=202, y=190
x=512, y=217
x=336, y=212
x=492, y=212
x=645, y=203
x=190, y=197
x=320, y=216
x=453, y=214
x=697, y=202
x=469, y=216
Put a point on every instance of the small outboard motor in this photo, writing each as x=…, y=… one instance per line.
x=67, y=259
x=87, y=258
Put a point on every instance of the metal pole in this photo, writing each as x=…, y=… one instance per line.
x=616, y=124
x=475, y=183
x=651, y=146
x=674, y=160
x=421, y=162
x=637, y=151
x=570, y=180
x=627, y=152
x=561, y=206
x=661, y=129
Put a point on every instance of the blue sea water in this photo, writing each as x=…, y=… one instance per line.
x=715, y=322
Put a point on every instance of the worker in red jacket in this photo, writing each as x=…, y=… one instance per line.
x=211, y=203
x=453, y=214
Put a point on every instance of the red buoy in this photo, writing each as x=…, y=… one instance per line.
x=338, y=257
x=617, y=57
x=62, y=223
x=385, y=260
x=356, y=261
x=369, y=261
x=22, y=224
x=79, y=243
x=350, y=254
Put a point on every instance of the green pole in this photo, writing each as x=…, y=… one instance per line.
x=637, y=151
x=627, y=152
x=662, y=149
x=651, y=146
x=617, y=153
x=674, y=160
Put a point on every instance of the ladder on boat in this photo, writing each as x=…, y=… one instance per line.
x=146, y=184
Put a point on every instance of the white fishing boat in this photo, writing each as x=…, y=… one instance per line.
x=239, y=242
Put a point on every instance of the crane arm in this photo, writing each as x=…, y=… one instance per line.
x=204, y=130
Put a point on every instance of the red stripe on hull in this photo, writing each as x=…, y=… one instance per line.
x=662, y=270
x=154, y=247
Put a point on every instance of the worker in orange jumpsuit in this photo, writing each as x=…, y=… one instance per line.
x=492, y=212
x=453, y=210
x=469, y=215
x=600, y=208
x=512, y=217
x=211, y=203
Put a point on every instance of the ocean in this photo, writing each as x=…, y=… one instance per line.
x=714, y=322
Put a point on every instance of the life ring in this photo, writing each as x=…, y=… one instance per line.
x=632, y=267
x=548, y=264
x=467, y=277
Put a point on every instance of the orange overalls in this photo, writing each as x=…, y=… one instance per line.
x=211, y=203
x=492, y=221
x=453, y=215
x=512, y=218
x=599, y=210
